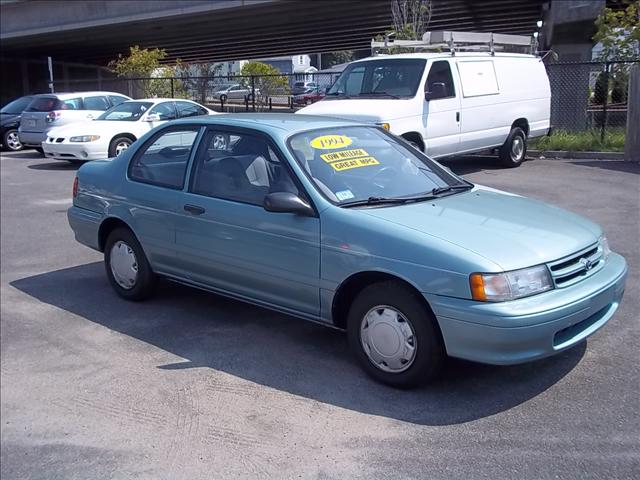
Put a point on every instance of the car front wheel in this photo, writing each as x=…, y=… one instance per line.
x=11, y=141
x=394, y=335
x=119, y=145
x=127, y=267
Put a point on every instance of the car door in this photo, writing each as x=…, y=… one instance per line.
x=226, y=238
x=164, y=111
x=441, y=112
x=156, y=177
x=190, y=109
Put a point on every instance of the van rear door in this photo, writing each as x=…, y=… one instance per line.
x=441, y=112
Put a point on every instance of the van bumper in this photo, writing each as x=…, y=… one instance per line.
x=531, y=328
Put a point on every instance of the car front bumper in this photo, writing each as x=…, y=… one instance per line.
x=74, y=151
x=539, y=326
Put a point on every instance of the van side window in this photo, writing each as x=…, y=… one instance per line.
x=440, y=81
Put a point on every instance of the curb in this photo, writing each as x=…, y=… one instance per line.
x=576, y=155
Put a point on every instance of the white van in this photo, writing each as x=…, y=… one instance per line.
x=447, y=104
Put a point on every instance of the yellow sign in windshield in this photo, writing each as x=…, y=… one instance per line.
x=343, y=155
x=355, y=163
x=329, y=142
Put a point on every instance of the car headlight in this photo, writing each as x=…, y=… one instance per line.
x=606, y=250
x=500, y=287
x=85, y=138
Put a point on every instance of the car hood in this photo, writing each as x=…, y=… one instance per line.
x=509, y=230
x=369, y=110
x=95, y=127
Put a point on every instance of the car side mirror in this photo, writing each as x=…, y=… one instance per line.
x=287, y=202
x=438, y=90
x=153, y=117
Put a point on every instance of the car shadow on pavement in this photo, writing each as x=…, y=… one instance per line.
x=472, y=163
x=55, y=166
x=615, y=165
x=289, y=354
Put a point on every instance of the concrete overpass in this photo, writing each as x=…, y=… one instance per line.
x=96, y=31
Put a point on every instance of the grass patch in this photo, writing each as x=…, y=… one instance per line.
x=587, y=141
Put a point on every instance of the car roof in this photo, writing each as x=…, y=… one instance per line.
x=67, y=95
x=281, y=125
x=431, y=55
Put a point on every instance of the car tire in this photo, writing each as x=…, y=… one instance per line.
x=402, y=322
x=11, y=141
x=127, y=266
x=39, y=150
x=223, y=98
x=119, y=145
x=514, y=150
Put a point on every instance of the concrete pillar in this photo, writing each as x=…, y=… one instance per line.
x=632, y=141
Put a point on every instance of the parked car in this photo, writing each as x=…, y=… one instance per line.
x=116, y=129
x=345, y=224
x=303, y=87
x=308, y=98
x=447, y=105
x=10, y=121
x=232, y=91
x=47, y=111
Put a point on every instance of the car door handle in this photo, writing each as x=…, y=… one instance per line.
x=194, y=209
x=457, y=116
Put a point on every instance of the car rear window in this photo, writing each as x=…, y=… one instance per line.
x=48, y=104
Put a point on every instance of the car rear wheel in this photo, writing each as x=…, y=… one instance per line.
x=11, y=141
x=119, y=145
x=394, y=335
x=127, y=267
x=514, y=150
x=223, y=98
x=39, y=150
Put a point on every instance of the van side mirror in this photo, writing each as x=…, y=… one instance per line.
x=287, y=202
x=438, y=90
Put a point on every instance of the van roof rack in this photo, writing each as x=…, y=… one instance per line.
x=445, y=40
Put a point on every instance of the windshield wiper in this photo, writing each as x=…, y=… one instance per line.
x=386, y=200
x=450, y=188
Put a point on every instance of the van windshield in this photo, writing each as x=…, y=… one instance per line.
x=390, y=78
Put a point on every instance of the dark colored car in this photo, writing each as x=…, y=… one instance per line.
x=309, y=97
x=10, y=121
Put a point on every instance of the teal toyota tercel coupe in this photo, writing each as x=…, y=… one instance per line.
x=347, y=225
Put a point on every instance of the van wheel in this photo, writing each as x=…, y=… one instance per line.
x=394, y=336
x=127, y=267
x=514, y=150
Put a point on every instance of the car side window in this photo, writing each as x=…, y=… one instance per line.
x=96, y=103
x=71, y=104
x=163, y=160
x=165, y=111
x=187, y=109
x=117, y=99
x=440, y=81
x=239, y=167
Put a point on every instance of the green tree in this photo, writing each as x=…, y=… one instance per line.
x=619, y=33
x=336, y=58
x=267, y=80
x=140, y=63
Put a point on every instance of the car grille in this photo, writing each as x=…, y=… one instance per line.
x=576, y=267
x=55, y=140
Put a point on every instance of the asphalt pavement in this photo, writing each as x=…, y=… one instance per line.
x=190, y=385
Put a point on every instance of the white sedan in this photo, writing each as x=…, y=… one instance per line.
x=112, y=132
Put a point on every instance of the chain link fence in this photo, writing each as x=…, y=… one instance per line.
x=589, y=96
x=229, y=93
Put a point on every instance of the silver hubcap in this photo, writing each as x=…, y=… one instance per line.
x=124, y=265
x=121, y=147
x=517, y=148
x=13, y=142
x=388, y=339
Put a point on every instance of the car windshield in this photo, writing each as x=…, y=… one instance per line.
x=17, y=106
x=354, y=164
x=398, y=78
x=126, y=111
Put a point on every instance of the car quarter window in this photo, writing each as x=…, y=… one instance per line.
x=188, y=109
x=163, y=159
x=96, y=103
x=440, y=81
x=164, y=110
x=71, y=104
x=117, y=99
x=242, y=167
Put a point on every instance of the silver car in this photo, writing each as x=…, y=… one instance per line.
x=232, y=91
x=48, y=111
